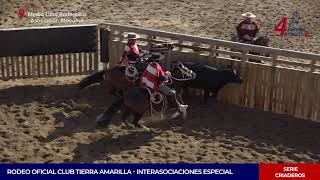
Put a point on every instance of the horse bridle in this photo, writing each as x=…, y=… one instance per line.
x=184, y=73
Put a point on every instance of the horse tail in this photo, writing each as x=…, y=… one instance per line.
x=92, y=79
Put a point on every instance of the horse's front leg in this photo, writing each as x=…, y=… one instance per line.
x=136, y=123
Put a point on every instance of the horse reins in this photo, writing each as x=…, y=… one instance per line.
x=184, y=73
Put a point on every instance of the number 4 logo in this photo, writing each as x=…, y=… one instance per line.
x=281, y=26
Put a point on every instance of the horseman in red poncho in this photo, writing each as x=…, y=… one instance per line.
x=154, y=78
x=247, y=30
x=132, y=53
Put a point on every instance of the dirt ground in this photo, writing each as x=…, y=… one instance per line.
x=208, y=18
x=48, y=120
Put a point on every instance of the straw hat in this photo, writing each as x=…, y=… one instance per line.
x=132, y=35
x=248, y=15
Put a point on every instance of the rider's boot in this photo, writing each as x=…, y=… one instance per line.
x=182, y=109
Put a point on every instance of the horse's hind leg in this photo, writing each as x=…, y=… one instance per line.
x=136, y=123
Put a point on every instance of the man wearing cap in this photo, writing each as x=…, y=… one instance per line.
x=155, y=79
x=132, y=52
x=248, y=29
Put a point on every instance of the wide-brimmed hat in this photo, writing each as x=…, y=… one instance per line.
x=248, y=15
x=132, y=35
x=156, y=57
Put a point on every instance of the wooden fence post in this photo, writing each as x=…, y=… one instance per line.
x=104, y=46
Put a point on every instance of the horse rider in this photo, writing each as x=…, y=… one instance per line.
x=154, y=78
x=247, y=30
x=132, y=53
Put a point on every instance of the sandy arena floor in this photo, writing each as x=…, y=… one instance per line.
x=48, y=120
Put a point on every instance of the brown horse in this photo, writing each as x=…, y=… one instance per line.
x=115, y=77
x=136, y=100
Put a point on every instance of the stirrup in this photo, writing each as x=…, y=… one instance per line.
x=156, y=97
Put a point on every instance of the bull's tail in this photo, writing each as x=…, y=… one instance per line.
x=92, y=79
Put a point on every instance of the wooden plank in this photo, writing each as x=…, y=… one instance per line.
x=59, y=64
x=267, y=82
x=241, y=55
x=294, y=63
x=28, y=67
x=49, y=63
x=272, y=84
x=297, y=110
x=7, y=68
x=244, y=86
x=38, y=66
x=70, y=64
x=2, y=73
x=285, y=92
x=43, y=64
x=19, y=67
x=316, y=107
x=307, y=90
x=255, y=87
x=90, y=67
x=280, y=92
x=85, y=63
x=289, y=92
x=64, y=64
x=294, y=95
x=75, y=62
x=260, y=87
x=12, y=69
x=23, y=66
x=312, y=93
x=251, y=90
x=275, y=91
x=80, y=65
x=96, y=62
x=54, y=65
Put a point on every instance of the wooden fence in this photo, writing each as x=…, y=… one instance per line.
x=48, y=51
x=287, y=82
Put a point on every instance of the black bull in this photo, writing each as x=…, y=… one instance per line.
x=210, y=79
